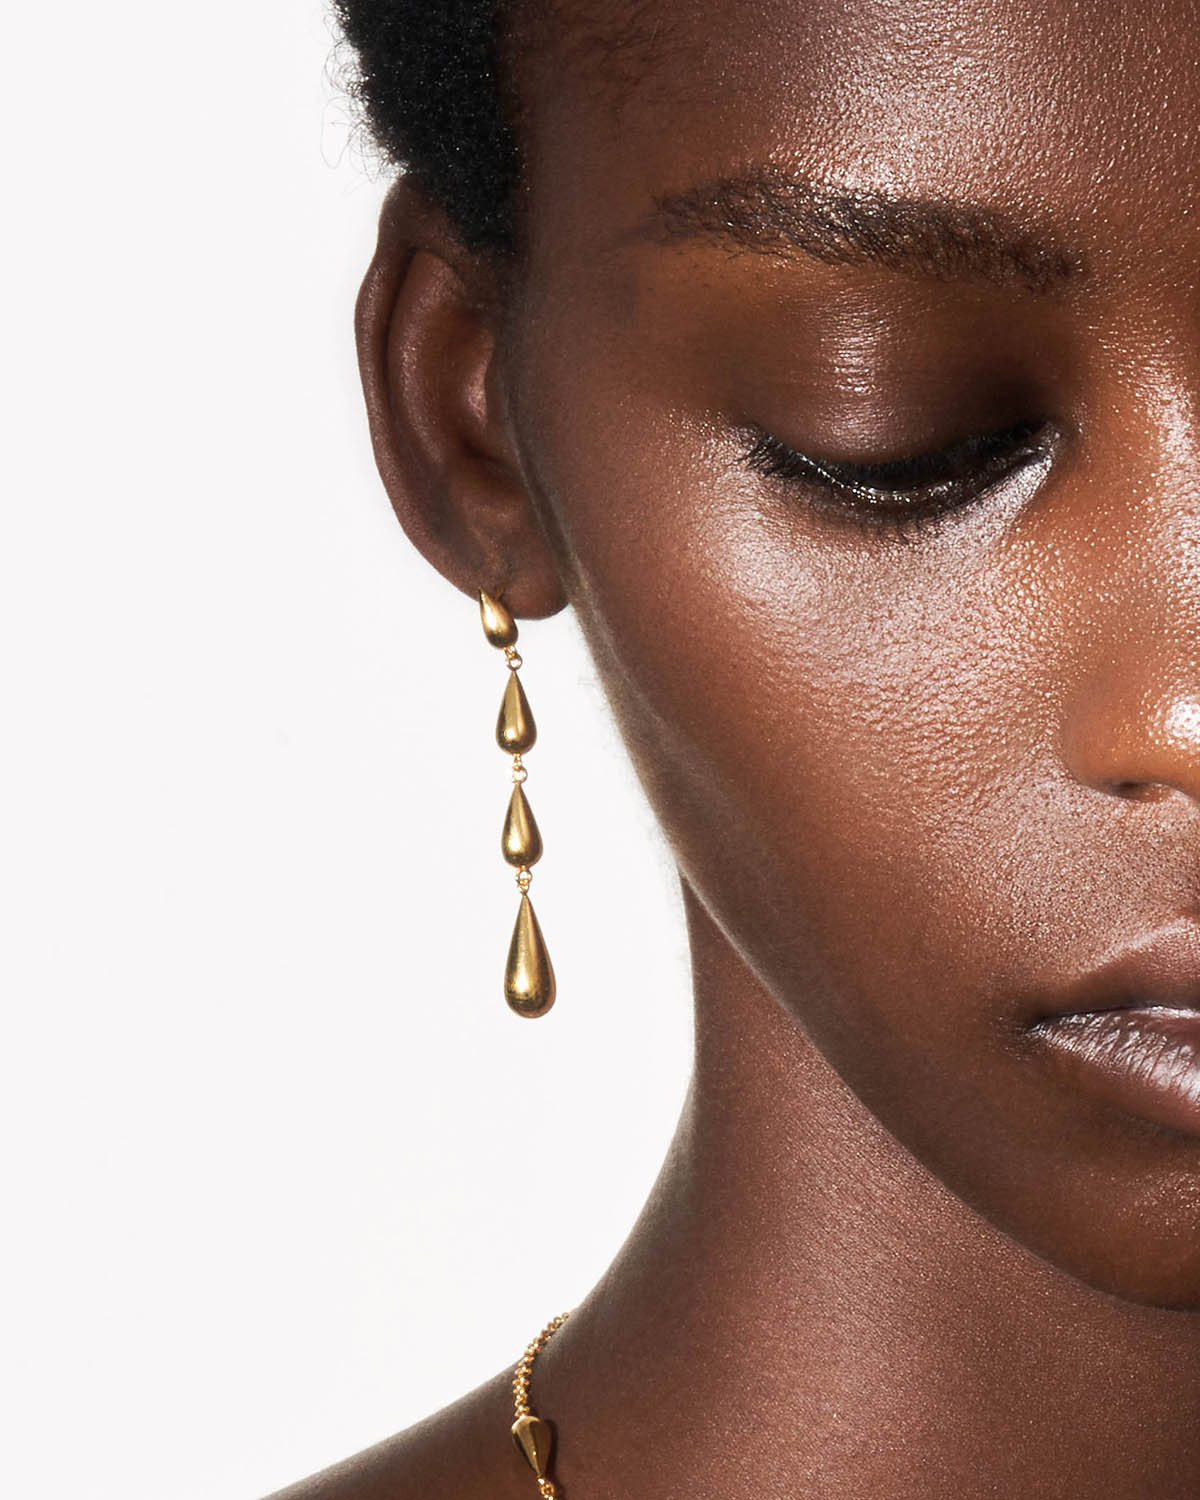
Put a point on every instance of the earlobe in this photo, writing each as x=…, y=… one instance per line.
x=425, y=324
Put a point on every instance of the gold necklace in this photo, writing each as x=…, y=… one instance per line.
x=533, y=1435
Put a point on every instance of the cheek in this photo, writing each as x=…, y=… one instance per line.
x=823, y=739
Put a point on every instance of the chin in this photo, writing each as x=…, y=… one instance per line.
x=1170, y=1283
x=1142, y=1247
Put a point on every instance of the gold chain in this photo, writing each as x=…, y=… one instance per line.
x=531, y=1433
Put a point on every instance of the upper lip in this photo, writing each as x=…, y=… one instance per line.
x=1159, y=969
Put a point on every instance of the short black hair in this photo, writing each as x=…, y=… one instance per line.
x=428, y=77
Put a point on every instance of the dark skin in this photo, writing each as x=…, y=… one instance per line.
x=909, y=784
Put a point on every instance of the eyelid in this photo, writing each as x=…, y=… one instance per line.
x=959, y=456
x=944, y=466
x=964, y=474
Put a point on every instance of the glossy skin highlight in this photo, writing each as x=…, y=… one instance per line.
x=912, y=785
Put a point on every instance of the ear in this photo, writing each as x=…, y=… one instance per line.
x=426, y=323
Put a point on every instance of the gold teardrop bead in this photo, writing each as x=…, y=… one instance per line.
x=498, y=624
x=528, y=975
x=515, y=729
x=533, y=1438
x=520, y=841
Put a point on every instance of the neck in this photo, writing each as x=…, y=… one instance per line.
x=803, y=1309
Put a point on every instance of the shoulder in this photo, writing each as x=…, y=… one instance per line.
x=462, y=1452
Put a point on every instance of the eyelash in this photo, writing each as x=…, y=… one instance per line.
x=944, y=480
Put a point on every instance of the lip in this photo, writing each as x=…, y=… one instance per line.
x=1128, y=1031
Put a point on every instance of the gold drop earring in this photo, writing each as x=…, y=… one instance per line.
x=528, y=976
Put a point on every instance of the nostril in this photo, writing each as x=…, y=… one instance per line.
x=1140, y=791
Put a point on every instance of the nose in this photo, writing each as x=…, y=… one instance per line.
x=1137, y=737
x=1131, y=579
x=1132, y=726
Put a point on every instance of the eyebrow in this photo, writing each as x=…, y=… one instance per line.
x=933, y=237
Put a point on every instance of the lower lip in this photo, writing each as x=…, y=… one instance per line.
x=1145, y=1060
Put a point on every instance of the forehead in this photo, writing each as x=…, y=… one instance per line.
x=616, y=44
x=1087, y=111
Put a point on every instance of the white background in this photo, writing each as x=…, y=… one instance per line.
x=281, y=1173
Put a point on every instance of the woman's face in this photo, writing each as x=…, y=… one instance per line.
x=923, y=779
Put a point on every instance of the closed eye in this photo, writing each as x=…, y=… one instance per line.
x=906, y=493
